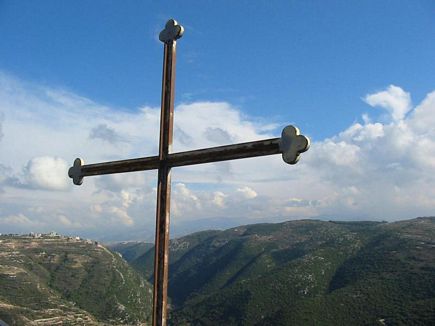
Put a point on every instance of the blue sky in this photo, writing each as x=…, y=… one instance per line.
x=307, y=62
x=83, y=78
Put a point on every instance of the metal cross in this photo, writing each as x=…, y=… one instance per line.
x=290, y=145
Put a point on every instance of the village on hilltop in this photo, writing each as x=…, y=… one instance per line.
x=50, y=235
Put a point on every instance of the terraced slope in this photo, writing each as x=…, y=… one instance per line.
x=63, y=281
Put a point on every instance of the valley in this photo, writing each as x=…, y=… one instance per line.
x=304, y=272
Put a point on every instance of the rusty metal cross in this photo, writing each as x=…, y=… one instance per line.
x=290, y=145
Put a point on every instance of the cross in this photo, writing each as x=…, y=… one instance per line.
x=291, y=144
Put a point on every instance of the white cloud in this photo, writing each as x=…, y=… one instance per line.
x=184, y=201
x=390, y=165
x=217, y=135
x=394, y=99
x=219, y=199
x=65, y=220
x=183, y=191
x=105, y=133
x=122, y=215
x=422, y=118
x=247, y=192
x=338, y=152
x=16, y=219
x=6, y=177
x=372, y=169
x=47, y=173
x=127, y=198
x=96, y=209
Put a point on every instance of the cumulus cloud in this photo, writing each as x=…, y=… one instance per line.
x=217, y=135
x=65, y=221
x=20, y=219
x=373, y=169
x=219, y=199
x=394, y=99
x=183, y=191
x=184, y=201
x=6, y=177
x=227, y=125
x=125, y=206
x=105, y=133
x=118, y=182
x=378, y=169
x=47, y=172
x=182, y=136
x=127, y=198
x=422, y=118
x=247, y=192
x=122, y=215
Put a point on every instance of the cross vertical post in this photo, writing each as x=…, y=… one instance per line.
x=168, y=36
x=291, y=144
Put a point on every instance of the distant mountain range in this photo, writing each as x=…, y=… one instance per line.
x=304, y=272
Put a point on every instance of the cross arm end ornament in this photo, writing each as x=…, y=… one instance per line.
x=292, y=144
x=173, y=31
x=75, y=172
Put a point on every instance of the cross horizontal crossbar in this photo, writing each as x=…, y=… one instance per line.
x=291, y=144
x=208, y=155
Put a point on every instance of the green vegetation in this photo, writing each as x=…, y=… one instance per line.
x=131, y=250
x=50, y=280
x=304, y=273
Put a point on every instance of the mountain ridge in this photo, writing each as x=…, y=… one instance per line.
x=303, y=272
x=296, y=272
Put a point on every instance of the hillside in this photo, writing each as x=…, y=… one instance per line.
x=131, y=250
x=304, y=273
x=54, y=280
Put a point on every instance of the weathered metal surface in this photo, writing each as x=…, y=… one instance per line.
x=161, y=254
x=171, y=32
x=224, y=153
x=291, y=145
x=137, y=164
x=207, y=155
